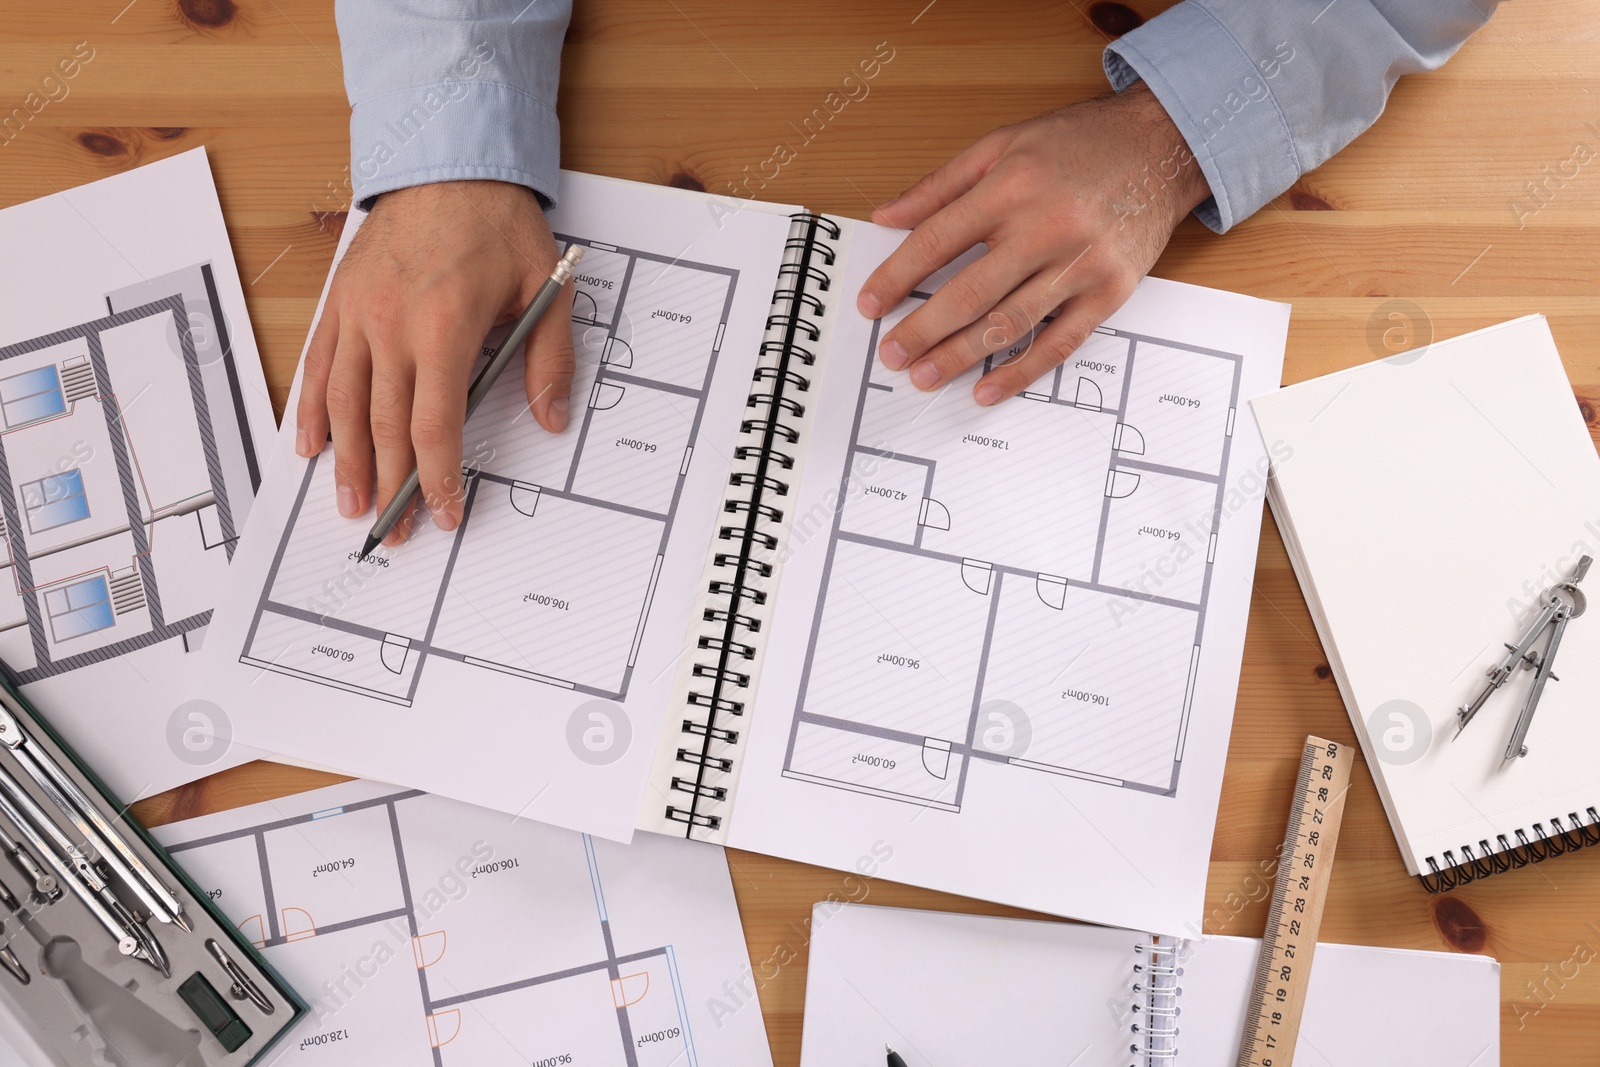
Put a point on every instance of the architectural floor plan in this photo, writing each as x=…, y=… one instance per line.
x=127, y=462
x=523, y=661
x=551, y=573
x=428, y=932
x=1029, y=589
x=135, y=430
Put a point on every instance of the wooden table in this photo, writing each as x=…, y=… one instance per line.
x=1423, y=207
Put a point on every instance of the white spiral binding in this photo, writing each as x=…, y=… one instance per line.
x=745, y=555
x=1155, y=1001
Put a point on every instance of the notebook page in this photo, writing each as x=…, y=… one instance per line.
x=1008, y=640
x=1432, y=498
x=523, y=661
x=943, y=988
x=1382, y=1007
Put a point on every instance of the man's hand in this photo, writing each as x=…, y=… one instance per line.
x=1074, y=206
x=432, y=270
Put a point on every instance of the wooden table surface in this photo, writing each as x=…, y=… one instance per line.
x=1424, y=207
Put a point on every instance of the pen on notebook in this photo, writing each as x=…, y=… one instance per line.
x=894, y=1057
x=480, y=387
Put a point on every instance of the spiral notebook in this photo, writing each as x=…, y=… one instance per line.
x=765, y=593
x=943, y=988
x=1427, y=501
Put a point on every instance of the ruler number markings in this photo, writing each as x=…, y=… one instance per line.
x=1295, y=915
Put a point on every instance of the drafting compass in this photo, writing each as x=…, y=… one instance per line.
x=1563, y=602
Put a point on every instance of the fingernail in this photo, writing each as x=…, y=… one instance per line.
x=444, y=521
x=893, y=354
x=925, y=375
x=347, y=502
x=302, y=441
x=887, y=204
x=987, y=394
x=869, y=305
x=559, y=406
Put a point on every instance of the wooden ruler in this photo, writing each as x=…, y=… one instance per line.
x=1273, y=1024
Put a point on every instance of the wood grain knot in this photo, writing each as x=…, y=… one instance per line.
x=1458, y=924
x=1114, y=19
x=168, y=133
x=1588, y=406
x=1323, y=672
x=331, y=222
x=1306, y=200
x=684, y=180
x=102, y=144
x=207, y=14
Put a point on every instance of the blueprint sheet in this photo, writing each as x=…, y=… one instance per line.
x=425, y=932
x=1008, y=639
x=134, y=420
x=522, y=661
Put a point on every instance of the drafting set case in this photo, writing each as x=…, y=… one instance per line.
x=102, y=981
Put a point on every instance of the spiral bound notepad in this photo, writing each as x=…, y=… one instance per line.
x=1427, y=502
x=766, y=593
x=943, y=988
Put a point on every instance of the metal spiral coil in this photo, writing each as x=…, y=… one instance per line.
x=1534, y=844
x=1155, y=1006
x=754, y=523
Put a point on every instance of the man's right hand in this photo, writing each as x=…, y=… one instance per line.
x=432, y=270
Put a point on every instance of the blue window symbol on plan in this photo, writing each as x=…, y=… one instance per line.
x=31, y=396
x=54, y=501
x=78, y=609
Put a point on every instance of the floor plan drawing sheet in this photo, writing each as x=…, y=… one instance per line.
x=595, y=509
x=133, y=421
x=429, y=933
x=523, y=660
x=1011, y=637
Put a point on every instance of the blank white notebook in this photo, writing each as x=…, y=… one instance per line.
x=1428, y=501
x=944, y=988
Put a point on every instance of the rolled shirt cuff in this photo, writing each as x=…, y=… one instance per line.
x=1220, y=98
x=453, y=130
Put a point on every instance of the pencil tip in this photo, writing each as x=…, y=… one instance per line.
x=366, y=548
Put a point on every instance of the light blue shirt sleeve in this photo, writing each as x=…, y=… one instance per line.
x=442, y=90
x=1265, y=90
